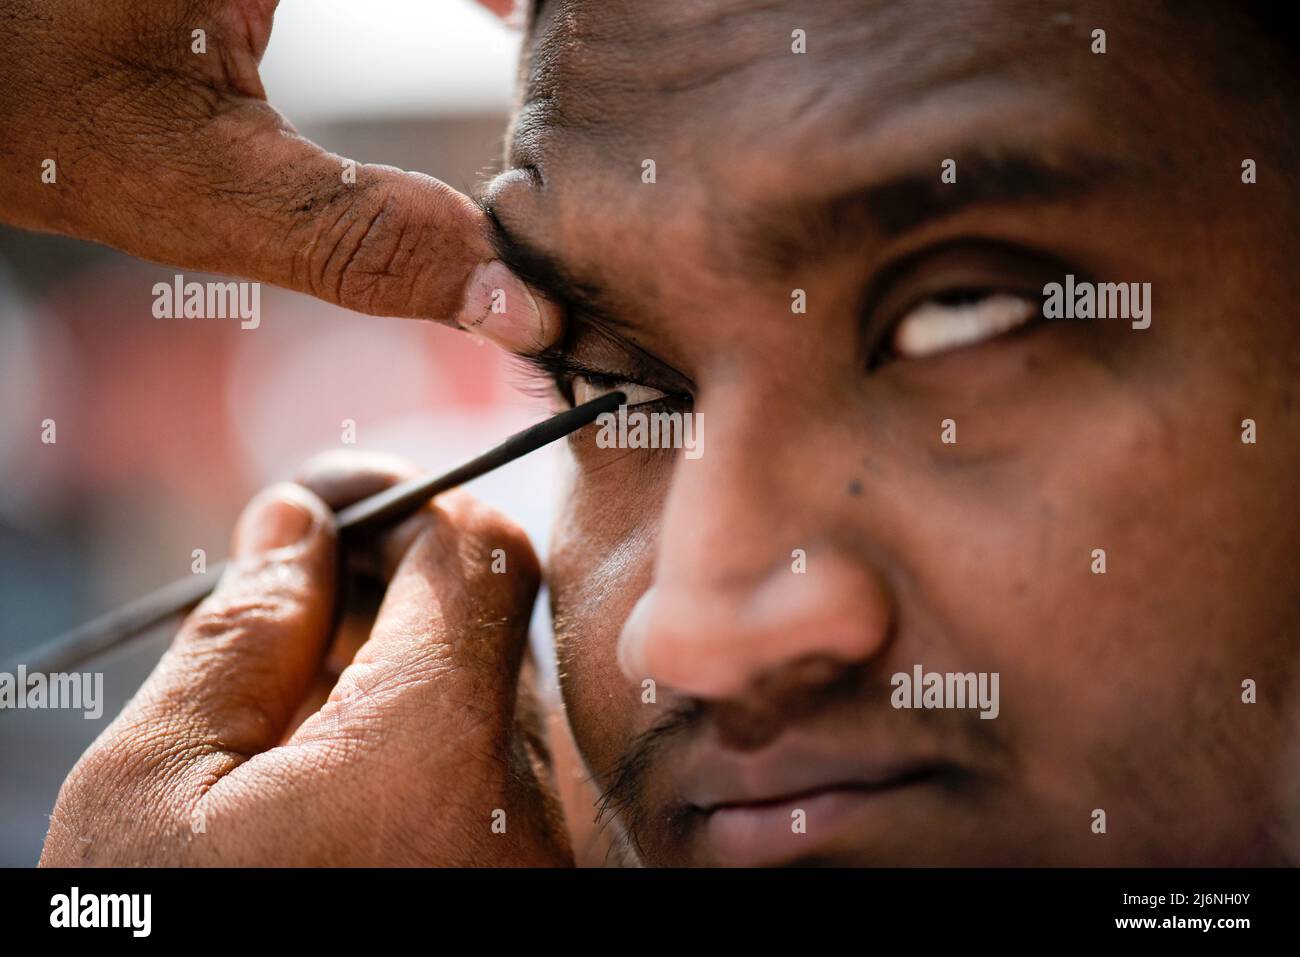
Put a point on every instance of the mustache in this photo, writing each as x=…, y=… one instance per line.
x=620, y=798
x=853, y=699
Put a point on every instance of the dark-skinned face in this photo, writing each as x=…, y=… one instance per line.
x=828, y=538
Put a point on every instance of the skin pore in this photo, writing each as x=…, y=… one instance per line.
x=820, y=172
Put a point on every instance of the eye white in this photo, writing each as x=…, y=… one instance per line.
x=937, y=327
x=584, y=391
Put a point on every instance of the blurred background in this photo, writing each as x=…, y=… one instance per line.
x=166, y=427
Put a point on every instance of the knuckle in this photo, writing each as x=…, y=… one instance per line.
x=362, y=258
x=189, y=728
x=225, y=622
x=393, y=243
x=116, y=764
x=88, y=825
x=239, y=721
x=105, y=767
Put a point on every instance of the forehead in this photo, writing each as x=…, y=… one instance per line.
x=622, y=73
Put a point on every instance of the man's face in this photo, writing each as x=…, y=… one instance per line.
x=829, y=537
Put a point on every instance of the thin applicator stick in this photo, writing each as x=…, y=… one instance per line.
x=384, y=509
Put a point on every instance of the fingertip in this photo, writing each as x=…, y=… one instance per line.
x=280, y=516
x=502, y=308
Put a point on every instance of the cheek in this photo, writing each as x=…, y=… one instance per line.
x=600, y=563
x=1102, y=674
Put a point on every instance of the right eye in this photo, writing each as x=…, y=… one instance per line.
x=942, y=323
x=586, y=388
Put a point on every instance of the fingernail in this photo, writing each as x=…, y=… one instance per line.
x=276, y=518
x=500, y=307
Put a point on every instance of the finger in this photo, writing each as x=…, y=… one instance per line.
x=246, y=656
x=352, y=630
x=276, y=207
x=341, y=477
x=443, y=657
x=197, y=170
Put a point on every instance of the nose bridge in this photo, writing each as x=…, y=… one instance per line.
x=751, y=573
x=721, y=499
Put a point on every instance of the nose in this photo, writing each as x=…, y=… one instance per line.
x=757, y=575
x=715, y=642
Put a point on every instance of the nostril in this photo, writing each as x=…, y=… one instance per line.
x=812, y=671
x=714, y=642
x=667, y=637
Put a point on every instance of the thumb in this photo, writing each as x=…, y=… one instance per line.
x=245, y=657
x=376, y=239
x=277, y=208
x=186, y=163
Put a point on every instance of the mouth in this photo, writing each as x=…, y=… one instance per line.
x=785, y=805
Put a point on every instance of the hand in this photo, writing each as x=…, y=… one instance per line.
x=418, y=754
x=174, y=155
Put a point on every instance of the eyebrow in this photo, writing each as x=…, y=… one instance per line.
x=587, y=305
x=548, y=275
x=785, y=235
x=790, y=232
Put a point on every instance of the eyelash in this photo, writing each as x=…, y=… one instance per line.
x=550, y=372
x=1009, y=268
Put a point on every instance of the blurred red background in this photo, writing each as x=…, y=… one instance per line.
x=165, y=427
